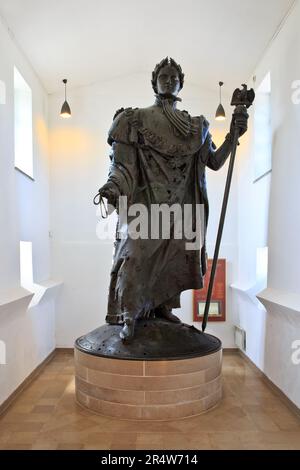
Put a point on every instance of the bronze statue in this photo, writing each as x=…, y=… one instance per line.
x=159, y=156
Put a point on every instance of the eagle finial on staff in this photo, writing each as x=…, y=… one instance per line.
x=243, y=97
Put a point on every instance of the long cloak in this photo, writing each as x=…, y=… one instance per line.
x=152, y=163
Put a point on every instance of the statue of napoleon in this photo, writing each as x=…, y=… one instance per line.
x=159, y=156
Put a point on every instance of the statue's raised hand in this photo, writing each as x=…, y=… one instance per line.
x=239, y=121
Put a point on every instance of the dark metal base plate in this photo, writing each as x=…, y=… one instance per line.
x=155, y=339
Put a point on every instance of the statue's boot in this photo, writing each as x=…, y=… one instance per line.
x=166, y=313
x=127, y=332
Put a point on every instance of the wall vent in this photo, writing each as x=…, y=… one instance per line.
x=240, y=338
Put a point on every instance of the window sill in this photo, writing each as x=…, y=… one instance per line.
x=17, y=295
x=25, y=174
x=30, y=297
x=250, y=292
x=280, y=300
x=44, y=291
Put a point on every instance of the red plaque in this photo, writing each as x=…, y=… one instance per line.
x=217, y=310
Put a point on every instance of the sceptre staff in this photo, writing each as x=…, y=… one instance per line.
x=242, y=100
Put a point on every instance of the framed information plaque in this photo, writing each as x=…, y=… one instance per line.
x=217, y=310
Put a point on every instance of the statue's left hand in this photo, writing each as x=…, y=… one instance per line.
x=239, y=121
x=110, y=192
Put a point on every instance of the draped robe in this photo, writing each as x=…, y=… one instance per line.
x=152, y=163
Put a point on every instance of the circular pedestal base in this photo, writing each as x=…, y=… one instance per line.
x=154, y=339
x=151, y=389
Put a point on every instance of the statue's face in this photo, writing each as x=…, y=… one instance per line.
x=168, y=82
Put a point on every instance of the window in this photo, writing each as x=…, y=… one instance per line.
x=262, y=129
x=26, y=274
x=23, y=125
x=262, y=266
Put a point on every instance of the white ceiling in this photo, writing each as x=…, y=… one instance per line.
x=92, y=40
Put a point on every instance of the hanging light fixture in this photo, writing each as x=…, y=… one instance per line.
x=220, y=113
x=65, y=109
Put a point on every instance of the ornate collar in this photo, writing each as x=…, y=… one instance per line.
x=159, y=100
x=180, y=120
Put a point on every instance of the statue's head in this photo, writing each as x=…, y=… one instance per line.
x=167, y=78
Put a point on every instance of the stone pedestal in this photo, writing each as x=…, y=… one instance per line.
x=182, y=385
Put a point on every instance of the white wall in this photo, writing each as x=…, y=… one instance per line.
x=270, y=333
x=79, y=166
x=29, y=335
